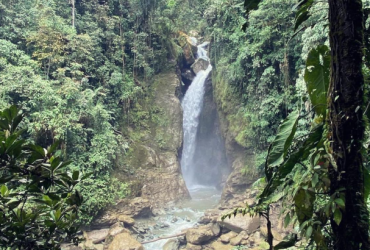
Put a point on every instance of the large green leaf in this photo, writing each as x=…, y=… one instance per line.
x=317, y=77
x=337, y=216
x=366, y=183
x=279, y=147
x=302, y=13
x=304, y=201
x=314, y=138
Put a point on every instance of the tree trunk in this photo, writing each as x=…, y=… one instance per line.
x=73, y=12
x=346, y=122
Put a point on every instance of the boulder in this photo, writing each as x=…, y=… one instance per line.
x=96, y=235
x=241, y=223
x=217, y=245
x=215, y=228
x=190, y=246
x=210, y=216
x=68, y=246
x=276, y=234
x=117, y=229
x=242, y=236
x=255, y=239
x=200, y=64
x=106, y=219
x=188, y=75
x=99, y=247
x=127, y=220
x=225, y=238
x=139, y=207
x=173, y=244
x=124, y=241
x=202, y=235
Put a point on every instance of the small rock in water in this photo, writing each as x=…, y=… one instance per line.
x=172, y=244
x=164, y=225
x=187, y=219
x=174, y=219
x=182, y=240
x=139, y=230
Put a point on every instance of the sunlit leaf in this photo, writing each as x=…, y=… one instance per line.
x=317, y=77
x=337, y=216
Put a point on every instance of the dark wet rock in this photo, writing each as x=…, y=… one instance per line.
x=189, y=48
x=126, y=220
x=200, y=64
x=188, y=75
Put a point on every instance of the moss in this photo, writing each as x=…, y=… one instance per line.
x=138, y=155
x=227, y=101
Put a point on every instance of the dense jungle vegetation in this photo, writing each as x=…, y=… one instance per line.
x=80, y=78
x=81, y=70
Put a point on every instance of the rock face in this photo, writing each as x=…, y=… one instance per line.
x=156, y=160
x=162, y=179
x=237, y=183
x=156, y=180
x=189, y=48
x=124, y=241
x=200, y=64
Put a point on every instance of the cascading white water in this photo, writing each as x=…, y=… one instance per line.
x=192, y=105
x=204, y=195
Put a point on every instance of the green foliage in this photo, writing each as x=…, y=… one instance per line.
x=255, y=70
x=239, y=247
x=303, y=12
x=87, y=85
x=300, y=175
x=283, y=140
x=99, y=193
x=39, y=204
x=317, y=77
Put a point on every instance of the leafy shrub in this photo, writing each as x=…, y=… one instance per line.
x=39, y=204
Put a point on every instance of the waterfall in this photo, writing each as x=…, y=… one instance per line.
x=192, y=105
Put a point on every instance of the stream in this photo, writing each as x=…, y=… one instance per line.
x=184, y=216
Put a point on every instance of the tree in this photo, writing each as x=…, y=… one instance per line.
x=323, y=175
x=72, y=2
x=38, y=201
x=346, y=133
